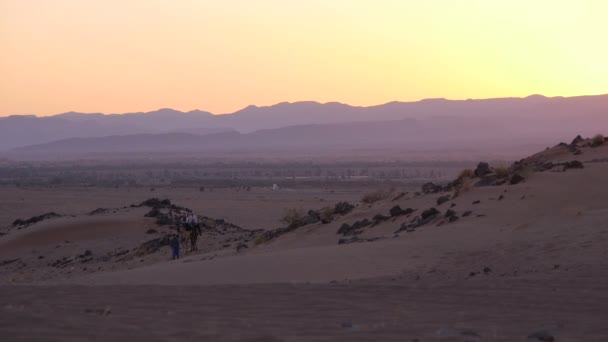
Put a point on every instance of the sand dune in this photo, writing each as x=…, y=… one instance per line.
x=527, y=257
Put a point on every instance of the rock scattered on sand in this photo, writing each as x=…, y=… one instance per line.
x=355, y=228
x=442, y=200
x=516, y=179
x=20, y=223
x=343, y=208
x=398, y=197
x=542, y=335
x=482, y=169
x=429, y=213
x=467, y=213
x=575, y=164
x=397, y=211
x=476, y=202
x=432, y=188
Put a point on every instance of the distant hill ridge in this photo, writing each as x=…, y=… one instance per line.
x=302, y=124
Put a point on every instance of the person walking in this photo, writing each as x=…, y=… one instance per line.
x=175, y=247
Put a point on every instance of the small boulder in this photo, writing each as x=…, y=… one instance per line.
x=577, y=140
x=397, y=211
x=429, y=213
x=442, y=200
x=575, y=164
x=343, y=208
x=431, y=188
x=489, y=180
x=482, y=169
x=544, y=336
x=516, y=179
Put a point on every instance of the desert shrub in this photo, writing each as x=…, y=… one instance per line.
x=466, y=184
x=373, y=197
x=501, y=171
x=597, y=140
x=326, y=214
x=466, y=173
x=261, y=239
x=292, y=216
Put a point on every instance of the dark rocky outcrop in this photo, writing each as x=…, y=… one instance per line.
x=577, y=140
x=20, y=223
x=575, y=164
x=442, y=200
x=355, y=228
x=431, y=188
x=380, y=218
x=152, y=246
x=397, y=211
x=482, y=169
x=542, y=335
x=343, y=208
x=516, y=179
x=489, y=180
x=429, y=213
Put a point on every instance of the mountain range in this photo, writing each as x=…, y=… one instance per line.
x=426, y=124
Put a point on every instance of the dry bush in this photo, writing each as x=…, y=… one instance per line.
x=597, y=140
x=501, y=171
x=326, y=214
x=292, y=216
x=262, y=238
x=373, y=197
x=466, y=173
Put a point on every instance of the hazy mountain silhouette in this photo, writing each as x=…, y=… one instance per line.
x=423, y=124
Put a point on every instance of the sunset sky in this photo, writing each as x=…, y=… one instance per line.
x=117, y=56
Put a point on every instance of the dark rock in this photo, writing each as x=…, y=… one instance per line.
x=397, y=211
x=450, y=213
x=151, y=231
x=152, y=213
x=152, y=246
x=476, y=202
x=429, y=213
x=241, y=246
x=577, y=140
x=344, y=228
x=453, y=218
x=516, y=179
x=545, y=166
x=578, y=152
x=431, y=188
x=467, y=213
x=355, y=229
x=398, y=197
x=35, y=219
x=489, y=180
x=501, y=197
x=343, y=208
x=482, y=169
x=575, y=164
x=487, y=270
x=543, y=335
x=380, y=218
x=452, y=205
x=98, y=211
x=442, y=200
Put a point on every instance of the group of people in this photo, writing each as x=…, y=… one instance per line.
x=188, y=228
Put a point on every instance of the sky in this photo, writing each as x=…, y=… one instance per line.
x=117, y=56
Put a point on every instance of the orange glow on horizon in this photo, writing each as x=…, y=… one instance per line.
x=117, y=56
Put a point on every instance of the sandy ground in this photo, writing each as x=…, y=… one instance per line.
x=570, y=308
x=259, y=208
x=530, y=257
